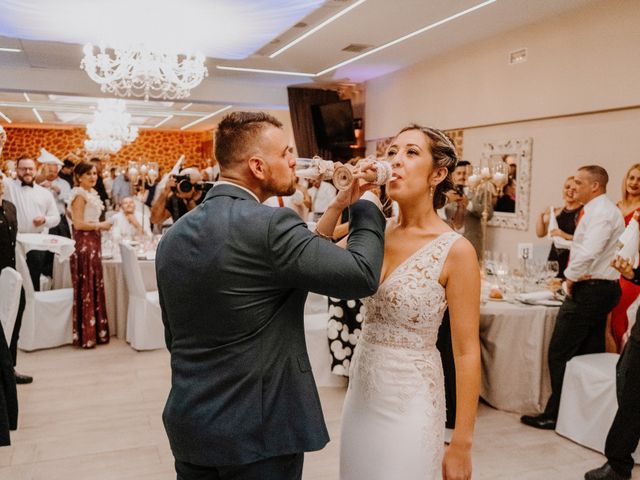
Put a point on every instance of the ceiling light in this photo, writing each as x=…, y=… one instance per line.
x=110, y=129
x=35, y=112
x=408, y=36
x=5, y=117
x=163, y=121
x=142, y=72
x=365, y=54
x=186, y=106
x=7, y=49
x=206, y=117
x=260, y=70
x=316, y=28
x=26, y=97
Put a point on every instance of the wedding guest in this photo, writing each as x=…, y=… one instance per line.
x=321, y=193
x=8, y=393
x=566, y=219
x=128, y=221
x=624, y=433
x=66, y=172
x=36, y=209
x=592, y=285
x=99, y=187
x=121, y=188
x=8, y=233
x=629, y=204
x=507, y=201
x=463, y=211
x=90, y=326
x=174, y=201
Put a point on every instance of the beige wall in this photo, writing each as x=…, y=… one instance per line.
x=583, y=61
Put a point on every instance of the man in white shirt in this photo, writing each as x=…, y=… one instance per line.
x=592, y=284
x=321, y=193
x=128, y=222
x=36, y=211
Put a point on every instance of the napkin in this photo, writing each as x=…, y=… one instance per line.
x=559, y=242
x=629, y=241
x=541, y=297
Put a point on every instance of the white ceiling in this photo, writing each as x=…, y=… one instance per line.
x=47, y=66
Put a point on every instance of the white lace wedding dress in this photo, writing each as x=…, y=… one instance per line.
x=394, y=412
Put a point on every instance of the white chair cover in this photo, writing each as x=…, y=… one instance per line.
x=588, y=403
x=145, y=330
x=10, y=286
x=47, y=317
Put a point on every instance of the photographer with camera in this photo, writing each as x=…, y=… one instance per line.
x=463, y=210
x=181, y=194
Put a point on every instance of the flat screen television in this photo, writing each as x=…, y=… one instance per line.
x=333, y=123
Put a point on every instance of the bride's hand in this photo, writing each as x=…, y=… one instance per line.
x=345, y=198
x=456, y=464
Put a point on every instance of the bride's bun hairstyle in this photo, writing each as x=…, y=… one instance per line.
x=444, y=155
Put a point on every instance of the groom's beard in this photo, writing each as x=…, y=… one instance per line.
x=278, y=187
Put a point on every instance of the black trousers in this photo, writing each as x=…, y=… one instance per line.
x=445, y=347
x=37, y=263
x=285, y=467
x=579, y=330
x=13, y=346
x=624, y=433
x=63, y=230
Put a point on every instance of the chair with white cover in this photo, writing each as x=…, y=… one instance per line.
x=145, y=330
x=588, y=402
x=10, y=287
x=47, y=318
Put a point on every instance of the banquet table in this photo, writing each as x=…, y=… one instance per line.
x=514, y=342
x=115, y=289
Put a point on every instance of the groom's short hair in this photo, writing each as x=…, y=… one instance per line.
x=238, y=135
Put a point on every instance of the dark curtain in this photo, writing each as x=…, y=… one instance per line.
x=300, y=102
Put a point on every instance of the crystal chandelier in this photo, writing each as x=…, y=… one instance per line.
x=110, y=130
x=141, y=72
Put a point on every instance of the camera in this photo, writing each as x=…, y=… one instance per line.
x=184, y=185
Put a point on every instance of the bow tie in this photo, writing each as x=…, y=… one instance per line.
x=27, y=184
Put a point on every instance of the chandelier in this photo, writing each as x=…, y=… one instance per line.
x=110, y=130
x=141, y=72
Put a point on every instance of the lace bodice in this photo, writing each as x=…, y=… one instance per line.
x=407, y=309
x=93, y=207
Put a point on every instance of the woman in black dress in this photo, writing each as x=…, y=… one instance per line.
x=567, y=219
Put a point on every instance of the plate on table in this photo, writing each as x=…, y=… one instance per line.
x=107, y=256
x=496, y=299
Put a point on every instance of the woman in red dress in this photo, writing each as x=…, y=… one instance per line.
x=90, y=325
x=628, y=205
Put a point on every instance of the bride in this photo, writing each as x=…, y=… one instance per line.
x=394, y=412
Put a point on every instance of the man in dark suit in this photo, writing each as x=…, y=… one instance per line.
x=233, y=277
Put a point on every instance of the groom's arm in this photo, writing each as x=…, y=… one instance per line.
x=304, y=260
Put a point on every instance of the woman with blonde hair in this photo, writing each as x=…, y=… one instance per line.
x=629, y=204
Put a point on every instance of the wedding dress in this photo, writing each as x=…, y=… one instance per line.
x=394, y=412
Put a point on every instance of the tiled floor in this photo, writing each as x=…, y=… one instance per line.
x=95, y=415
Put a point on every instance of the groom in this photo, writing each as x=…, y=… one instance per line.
x=233, y=276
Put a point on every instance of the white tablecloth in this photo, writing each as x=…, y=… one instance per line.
x=514, y=342
x=115, y=289
x=63, y=247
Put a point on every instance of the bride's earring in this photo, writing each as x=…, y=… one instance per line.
x=431, y=192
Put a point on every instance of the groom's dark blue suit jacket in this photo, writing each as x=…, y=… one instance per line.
x=233, y=277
